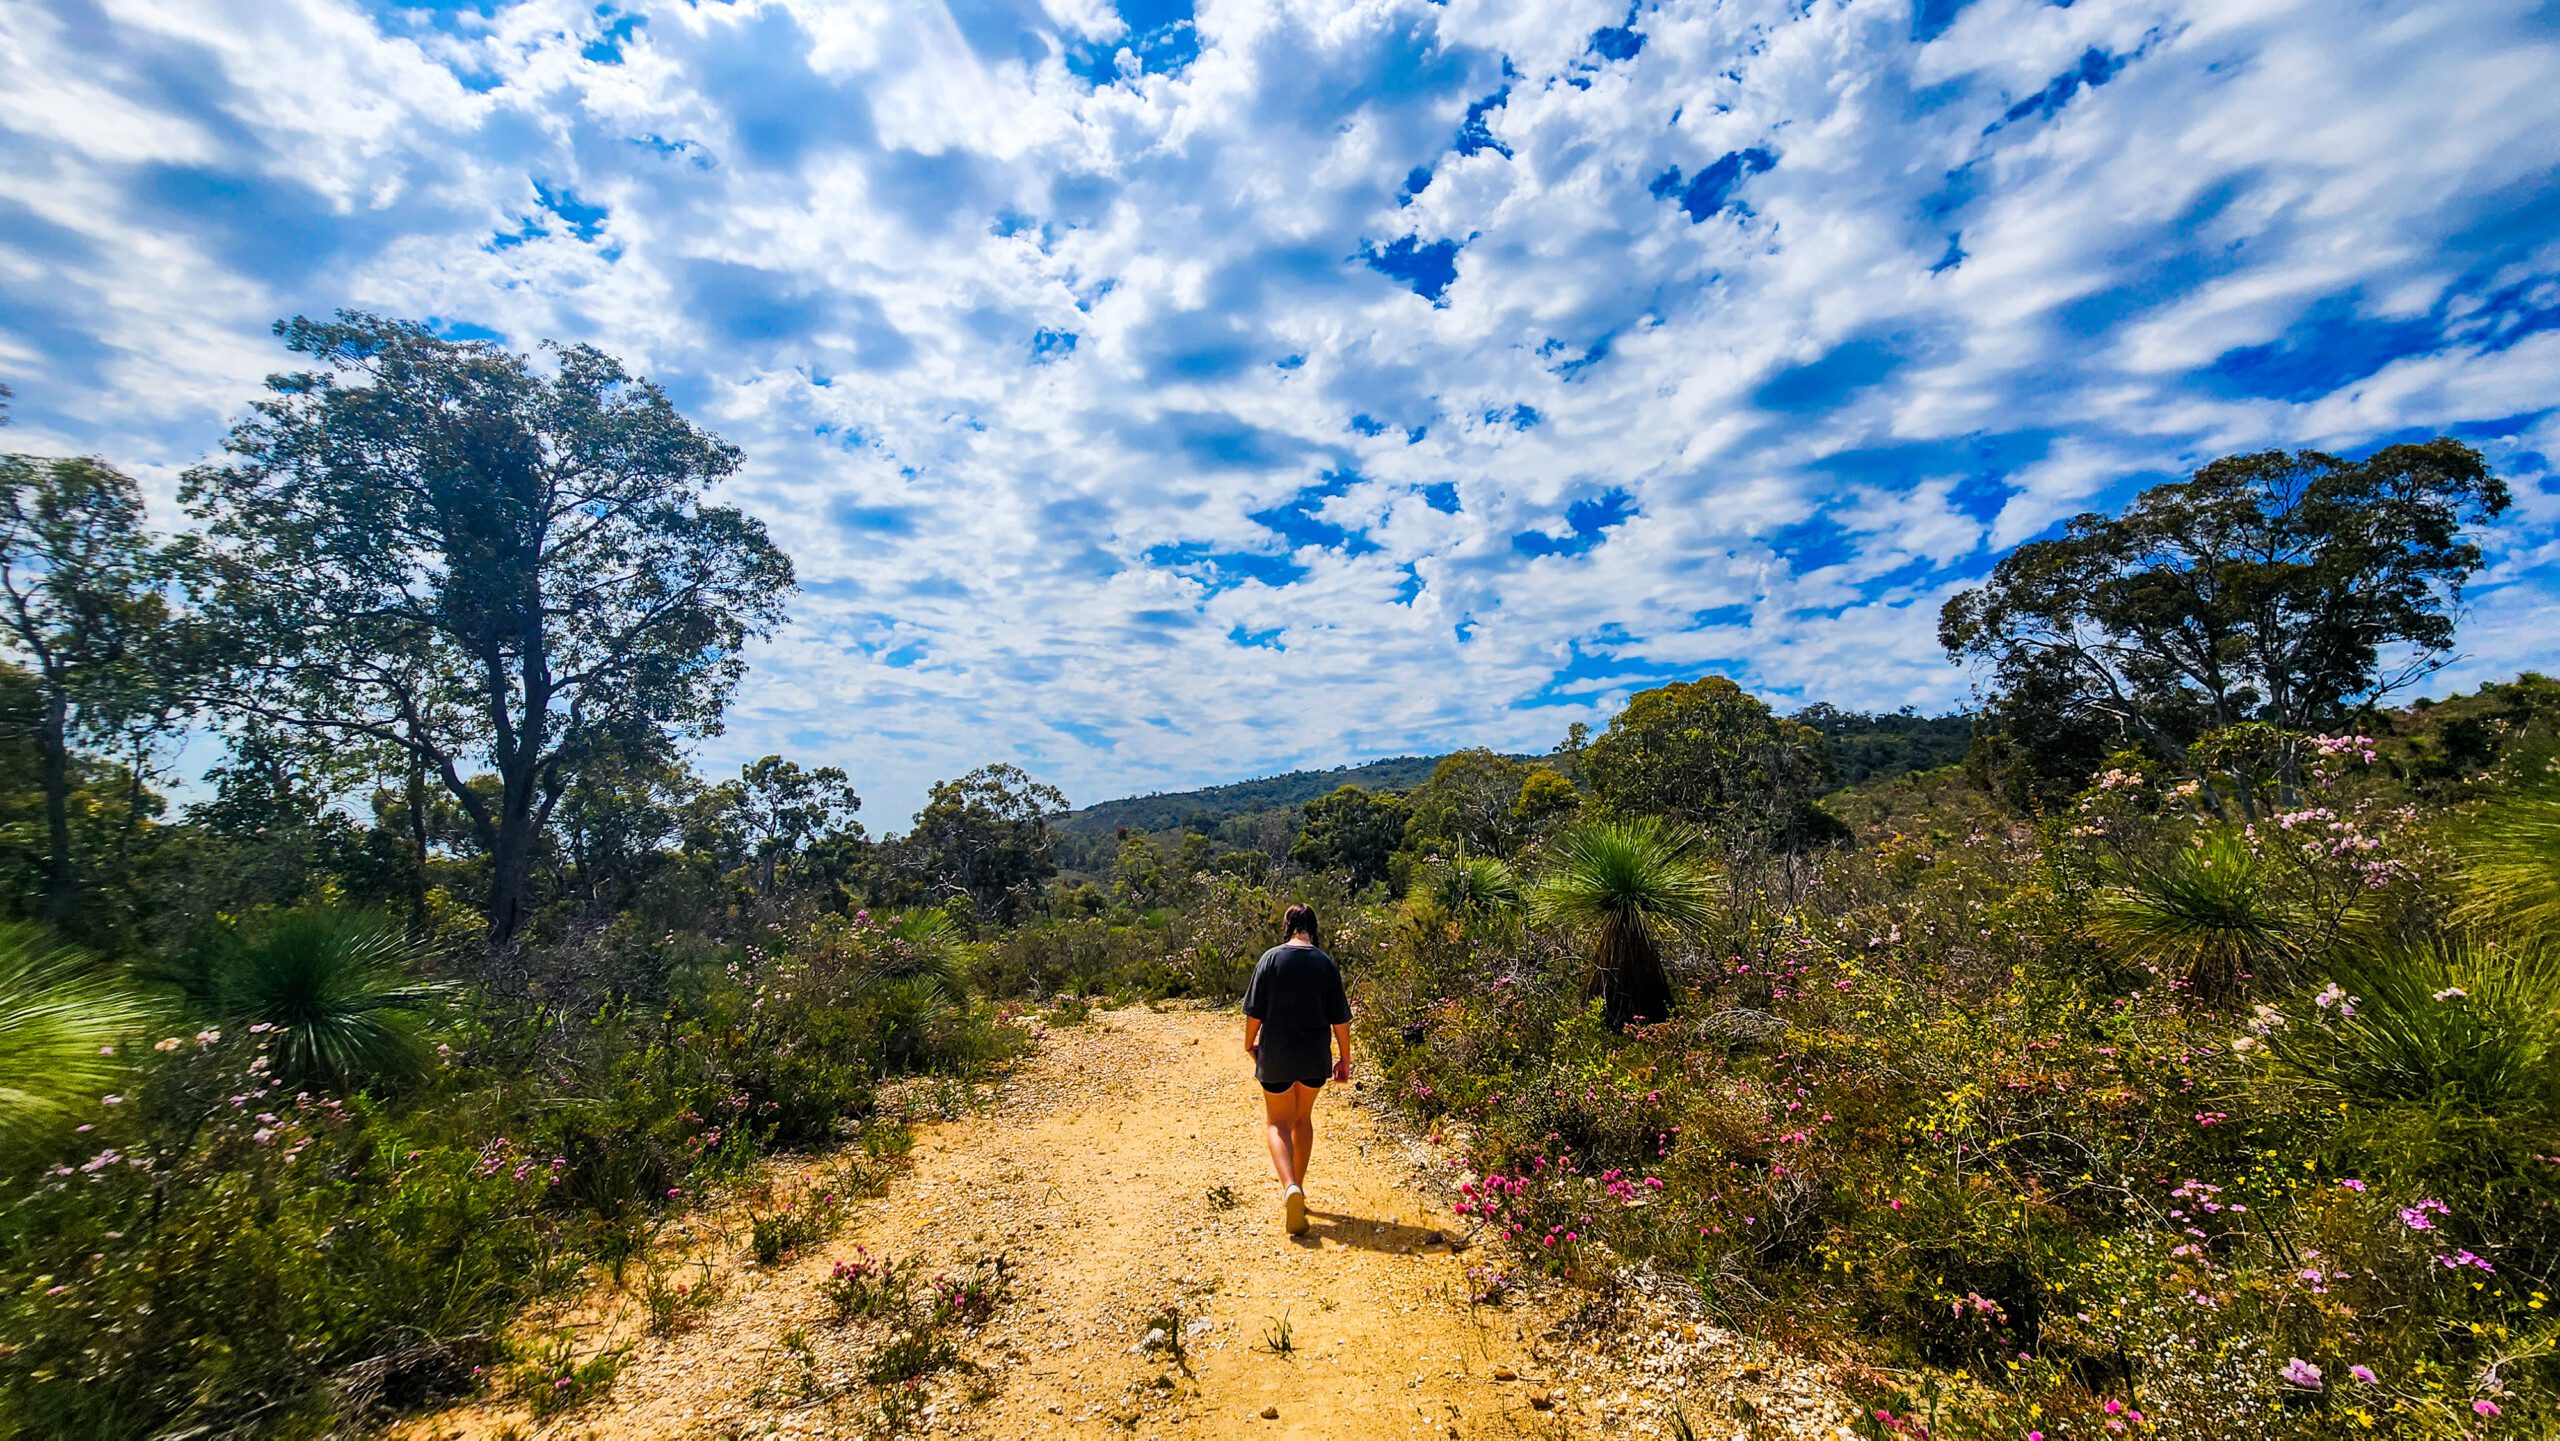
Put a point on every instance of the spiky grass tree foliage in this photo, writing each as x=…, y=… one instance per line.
x=1628, y=886
x=1475, y=886
x=2210, y=915
x=61, y=1026
x=342, y=988
x=2508, y=853
x=2461, y=1026
x=927, y=948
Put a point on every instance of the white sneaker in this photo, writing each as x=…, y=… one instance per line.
x=1293, y=1210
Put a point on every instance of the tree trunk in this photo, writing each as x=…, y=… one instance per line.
x=417, y=802
x=62, y=884
x=510, y=873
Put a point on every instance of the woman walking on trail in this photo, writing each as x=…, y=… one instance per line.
x=1297, y=1028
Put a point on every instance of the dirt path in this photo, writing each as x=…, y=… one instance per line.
x=1104, y=1173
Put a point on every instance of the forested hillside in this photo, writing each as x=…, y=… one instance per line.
x=1265, y=814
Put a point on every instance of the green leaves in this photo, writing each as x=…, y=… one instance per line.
x=1709, y=754
x=2507, y=855
x=1351, y=830
x=2205, y=915
x=444, y=549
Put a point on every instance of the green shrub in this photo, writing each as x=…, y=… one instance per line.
x=2508, y=852
x=1629, y=886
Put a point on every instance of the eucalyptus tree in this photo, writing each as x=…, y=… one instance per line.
x=986, y=836
x=82, y=610
x=486, y=562
x=1709, y=754
x=2275, y=589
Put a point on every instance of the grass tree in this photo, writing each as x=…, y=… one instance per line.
x=342, y=990
x=2508, y=856
x=2209, y=915
x=61, y=1025
x=1475, y=886
x=1627, y=886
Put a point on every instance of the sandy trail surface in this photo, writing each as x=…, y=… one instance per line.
x=1121, y=1173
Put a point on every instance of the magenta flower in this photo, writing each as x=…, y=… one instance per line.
x=2299, y=1372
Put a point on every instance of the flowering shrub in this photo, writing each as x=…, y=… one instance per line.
x=2143, y=1121
x=211, y=1242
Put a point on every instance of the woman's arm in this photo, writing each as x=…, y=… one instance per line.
x=1342, y=1053
x=1253, y=1037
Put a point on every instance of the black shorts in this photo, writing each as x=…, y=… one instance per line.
x=1276, y=1087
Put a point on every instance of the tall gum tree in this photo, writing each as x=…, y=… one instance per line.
x=81, y=607
x=2277, y=589
x=487, y=563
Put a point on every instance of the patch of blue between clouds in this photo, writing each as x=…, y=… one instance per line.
x=447, y=328
x=1980, y=462
x=1258, y=639
x=1049, y=343
x=2332, y=347
x=1427, y=270
x=1085, y=731
x=1223, y=570
x=1593, y=667
x=1295, y=520
x=1440, y=495
x=1522, y=416
x=1622, y=41
x=616, y=31
x=1416, y=181
x=2096, y=68
x=583, y=221
x=1711, y=189
x=1930, y=18
x=890, y=520
x=1572, y=369
x=1827, y=381
x=1475, y=133
x=1587, y=521
x=1162, y=39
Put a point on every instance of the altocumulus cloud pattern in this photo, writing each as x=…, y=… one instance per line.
x=1159, y=392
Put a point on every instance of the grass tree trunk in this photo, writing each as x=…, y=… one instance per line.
x=1627, y=972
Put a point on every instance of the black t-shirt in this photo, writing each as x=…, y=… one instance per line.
x=1296, y=993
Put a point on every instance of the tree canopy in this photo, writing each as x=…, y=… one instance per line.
x=1351, y=830
x=81, y=607
x=1480, y=803
x=1710, y=754
x=985, y=836
x=2278, y=587
x=445, y=548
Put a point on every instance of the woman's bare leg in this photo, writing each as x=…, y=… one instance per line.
x=1302, y=1129
x=1279, y=1115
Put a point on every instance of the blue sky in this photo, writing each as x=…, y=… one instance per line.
x=1154, y=394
